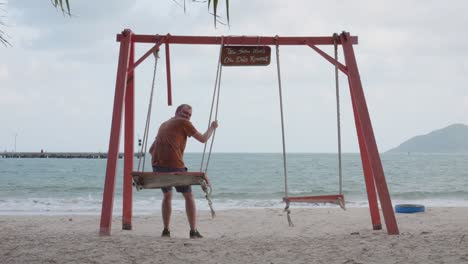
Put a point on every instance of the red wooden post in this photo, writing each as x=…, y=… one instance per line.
x=129, y=145
x=368, y=175
x=168, y=75
x=113, y=154
x=368, y=138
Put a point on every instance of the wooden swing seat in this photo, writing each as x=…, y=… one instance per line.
x=154, y=180
x=337, y=199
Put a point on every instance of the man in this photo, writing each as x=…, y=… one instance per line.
x=167, y=153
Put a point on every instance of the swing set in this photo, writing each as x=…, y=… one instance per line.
x=230, y=48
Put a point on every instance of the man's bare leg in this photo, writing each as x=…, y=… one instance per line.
x=166, y=209
x=191, y=210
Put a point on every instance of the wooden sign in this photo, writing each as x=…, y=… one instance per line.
x=245, y=56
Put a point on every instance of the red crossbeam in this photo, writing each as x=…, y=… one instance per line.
x=237, y=40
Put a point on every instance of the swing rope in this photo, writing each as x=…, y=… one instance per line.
x=144, y=145
x=286, y=209
x=208, y=189
x=216, y=91
x=338, y=122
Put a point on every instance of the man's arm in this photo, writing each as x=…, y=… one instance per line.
x=204, y=138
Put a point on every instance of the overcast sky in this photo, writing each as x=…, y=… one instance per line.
x=57, y=81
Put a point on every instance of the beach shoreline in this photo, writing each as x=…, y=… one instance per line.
x=320, y=235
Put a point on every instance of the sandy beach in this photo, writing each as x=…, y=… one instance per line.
x=440, y=235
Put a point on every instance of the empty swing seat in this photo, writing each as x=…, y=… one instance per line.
x=154, y=180
x=337, y=199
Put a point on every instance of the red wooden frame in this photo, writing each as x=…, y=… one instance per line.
x=124, y=97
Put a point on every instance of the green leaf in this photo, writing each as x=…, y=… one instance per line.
x=3, y=40
x=215, y=7
x=68, y=7
x=227, y=11
x=60, y=4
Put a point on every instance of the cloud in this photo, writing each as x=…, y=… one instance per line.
x=59, y=77
x=3, y=72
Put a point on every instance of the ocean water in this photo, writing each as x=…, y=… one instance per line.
x=75, y=186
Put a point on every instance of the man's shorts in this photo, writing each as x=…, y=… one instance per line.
x=180, y=189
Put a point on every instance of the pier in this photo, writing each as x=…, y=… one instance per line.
x=58, y=155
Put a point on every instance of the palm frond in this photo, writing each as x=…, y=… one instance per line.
x=215, y=10
x=177, y=3
x=3, y=39
x=227, y=11
x=219, y=20
x=64, y=7
x=3, y=36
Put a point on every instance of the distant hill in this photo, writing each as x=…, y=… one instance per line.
x=452, y=139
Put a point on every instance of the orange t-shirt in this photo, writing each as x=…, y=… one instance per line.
x=168, y=148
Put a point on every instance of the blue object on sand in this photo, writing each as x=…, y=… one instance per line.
x=409, y=208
